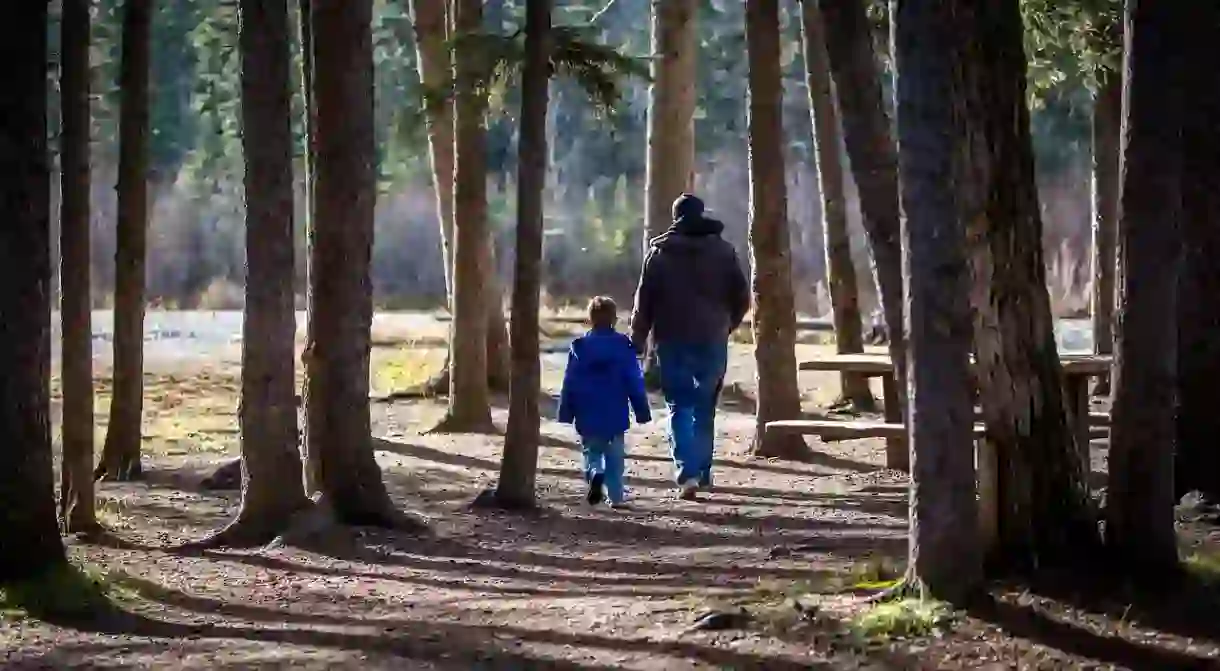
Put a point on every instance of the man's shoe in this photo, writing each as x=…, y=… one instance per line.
x=688, y=489
x=595, y=489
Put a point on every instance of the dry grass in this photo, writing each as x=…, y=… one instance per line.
x=404, y=367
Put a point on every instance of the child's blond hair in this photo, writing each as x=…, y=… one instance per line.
x=603, y=313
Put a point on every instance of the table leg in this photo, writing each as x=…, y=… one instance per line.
x=897, y=456
x=1076, y=397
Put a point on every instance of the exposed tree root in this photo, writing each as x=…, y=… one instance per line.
x=324, y=528
x=251, y=528
x=787, y=448
x=452, y=423
x=312, y=525
x=438, y=387
x=120, y=469
x=81, y=529
x=225, y=478
x=434, y=387
x=491, y=499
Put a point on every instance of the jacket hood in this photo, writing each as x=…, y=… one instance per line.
x=689, y=234
x=597, y=346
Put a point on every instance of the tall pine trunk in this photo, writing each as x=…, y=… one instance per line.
x=469, y=397
x=434, y=63
x=520, y=464
x=29, y=535
x=1045, y=515
x=840, y=269
x=945, y=559
x=121, y=452
x=670, y=166
x=1140, y=501
x=1197, y=461
x=874, y=163
x=268, y=413
x=76, y=507
x=309, y=459
x=341, y=297
x=774, y=321
x=1107, y=140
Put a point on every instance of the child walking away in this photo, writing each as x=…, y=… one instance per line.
x=602, y=385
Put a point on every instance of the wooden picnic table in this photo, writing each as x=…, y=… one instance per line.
x=1078, y=368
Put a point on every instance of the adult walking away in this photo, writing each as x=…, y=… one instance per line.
x=692, y=294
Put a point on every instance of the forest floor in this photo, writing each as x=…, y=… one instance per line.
x=571, y=586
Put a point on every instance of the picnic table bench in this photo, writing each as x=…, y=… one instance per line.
x=1077, y=369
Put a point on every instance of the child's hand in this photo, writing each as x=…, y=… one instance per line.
x=643, y=417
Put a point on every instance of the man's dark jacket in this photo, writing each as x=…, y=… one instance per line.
x=692, y=289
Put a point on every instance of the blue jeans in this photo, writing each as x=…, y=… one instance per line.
x=691, y=377
x=605, y=456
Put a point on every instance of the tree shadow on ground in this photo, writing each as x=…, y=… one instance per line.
x=749, y=464
x=1098, y=617
x=425, y=453
x=450, y=645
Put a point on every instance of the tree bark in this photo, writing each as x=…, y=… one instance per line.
x=671, y=110
x=469, y=398
x=670, y=166
x=1139, y=521
x=121, y=451
x=1046, y=517
x=873, y=157
x=268, y=413
x=840, y=270
x=311, y=461
x=77, y=505
x=774, y=320
x=434, y=63
x=1107, y=140
x=1197, y=461
x=436, y=73
x=337, y=383
x=29, y=536
x=945, y=557
x=518, y=469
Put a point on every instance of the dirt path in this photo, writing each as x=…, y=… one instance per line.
x=572, y=587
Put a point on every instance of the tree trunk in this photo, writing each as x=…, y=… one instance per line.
x=268, y=412
x=1044, y=506
x=1107, y=141
x=1139, y=514
x=671, y=110
x=435, y=71
x=774, y=320
x=1197, y=461
x=874, y=163
x=434, y=63
x=840, y=270
x=29, y=535
x=520, y=464
x=341, y=297
x=469, y=399
x=121, y=451
x=945, y=555
x=670, y=167
x=76, y=506
x=310, y=460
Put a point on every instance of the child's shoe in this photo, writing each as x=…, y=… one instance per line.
x=596, y=489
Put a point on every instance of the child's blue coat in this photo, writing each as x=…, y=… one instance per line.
x=602, y=385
